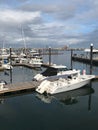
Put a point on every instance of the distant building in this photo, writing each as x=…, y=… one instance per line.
x=64, y=48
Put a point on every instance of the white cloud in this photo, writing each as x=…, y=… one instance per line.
x=17, y=17
x=50, y=22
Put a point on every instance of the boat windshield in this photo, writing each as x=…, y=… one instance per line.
x=62, y=69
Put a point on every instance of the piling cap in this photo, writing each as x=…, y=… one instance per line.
x=91, y=44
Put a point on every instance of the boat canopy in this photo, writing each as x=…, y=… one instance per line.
x=51, y=71
x=69, y=74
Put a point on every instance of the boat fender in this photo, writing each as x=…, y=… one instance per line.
x=84, y=72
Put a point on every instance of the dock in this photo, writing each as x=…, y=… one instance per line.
x=85, y=60
x=25, y=65
x=19, y=87
x=30, y=65
x=1, y=68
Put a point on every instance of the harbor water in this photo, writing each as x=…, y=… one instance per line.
x=76, y=109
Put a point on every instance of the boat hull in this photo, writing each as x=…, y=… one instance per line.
x=63, y=85
x=70, y=87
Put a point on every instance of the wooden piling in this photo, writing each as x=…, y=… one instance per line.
x=71, y=58
x=49, y=56
x=10, y=56
x=91, y=58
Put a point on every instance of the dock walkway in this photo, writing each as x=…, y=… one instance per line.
x=25, y=65
x=19, y=87
x=85, y=60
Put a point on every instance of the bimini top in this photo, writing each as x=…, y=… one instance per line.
x=54, y=69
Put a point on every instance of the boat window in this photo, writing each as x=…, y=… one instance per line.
x=62, y=69
x=70, y=76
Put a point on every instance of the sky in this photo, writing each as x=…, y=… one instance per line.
x=44, y=23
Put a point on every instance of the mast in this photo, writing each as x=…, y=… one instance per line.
x=22, y=31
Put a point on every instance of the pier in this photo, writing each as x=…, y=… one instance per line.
x=85, y=60
x=19, y=87
x=25, y=65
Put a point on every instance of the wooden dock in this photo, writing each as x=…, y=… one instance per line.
x=19, y=87
x=1, y=68
x=25, y=65
x=85, y=60
x=31, y=66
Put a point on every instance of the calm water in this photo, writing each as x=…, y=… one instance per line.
x=76, y=110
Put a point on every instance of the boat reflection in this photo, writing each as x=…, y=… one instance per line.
x=67, y=98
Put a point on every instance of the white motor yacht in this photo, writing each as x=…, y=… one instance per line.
x=4, y=54
x=2, y=85
x=7, y=66
x=61, y=83
x=36, y=62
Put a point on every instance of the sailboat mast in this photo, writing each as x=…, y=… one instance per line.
x=23, y=38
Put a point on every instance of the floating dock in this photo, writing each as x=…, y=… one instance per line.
x=1, y=68
x=31, y=66
x=85, y=60
x=19, y=87
x=25, y=65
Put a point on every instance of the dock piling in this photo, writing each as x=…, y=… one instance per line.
x=91, y=58
x=71, y=58
x=49, y=56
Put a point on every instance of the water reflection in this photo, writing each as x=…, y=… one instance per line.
x=67, y=98
x=4, y=98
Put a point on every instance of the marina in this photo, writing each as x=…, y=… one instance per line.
x=32, y=85
x=20, y=87
x=22, y=97
x=48, y=65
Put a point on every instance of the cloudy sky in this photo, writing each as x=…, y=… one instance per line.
x=48, y=22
